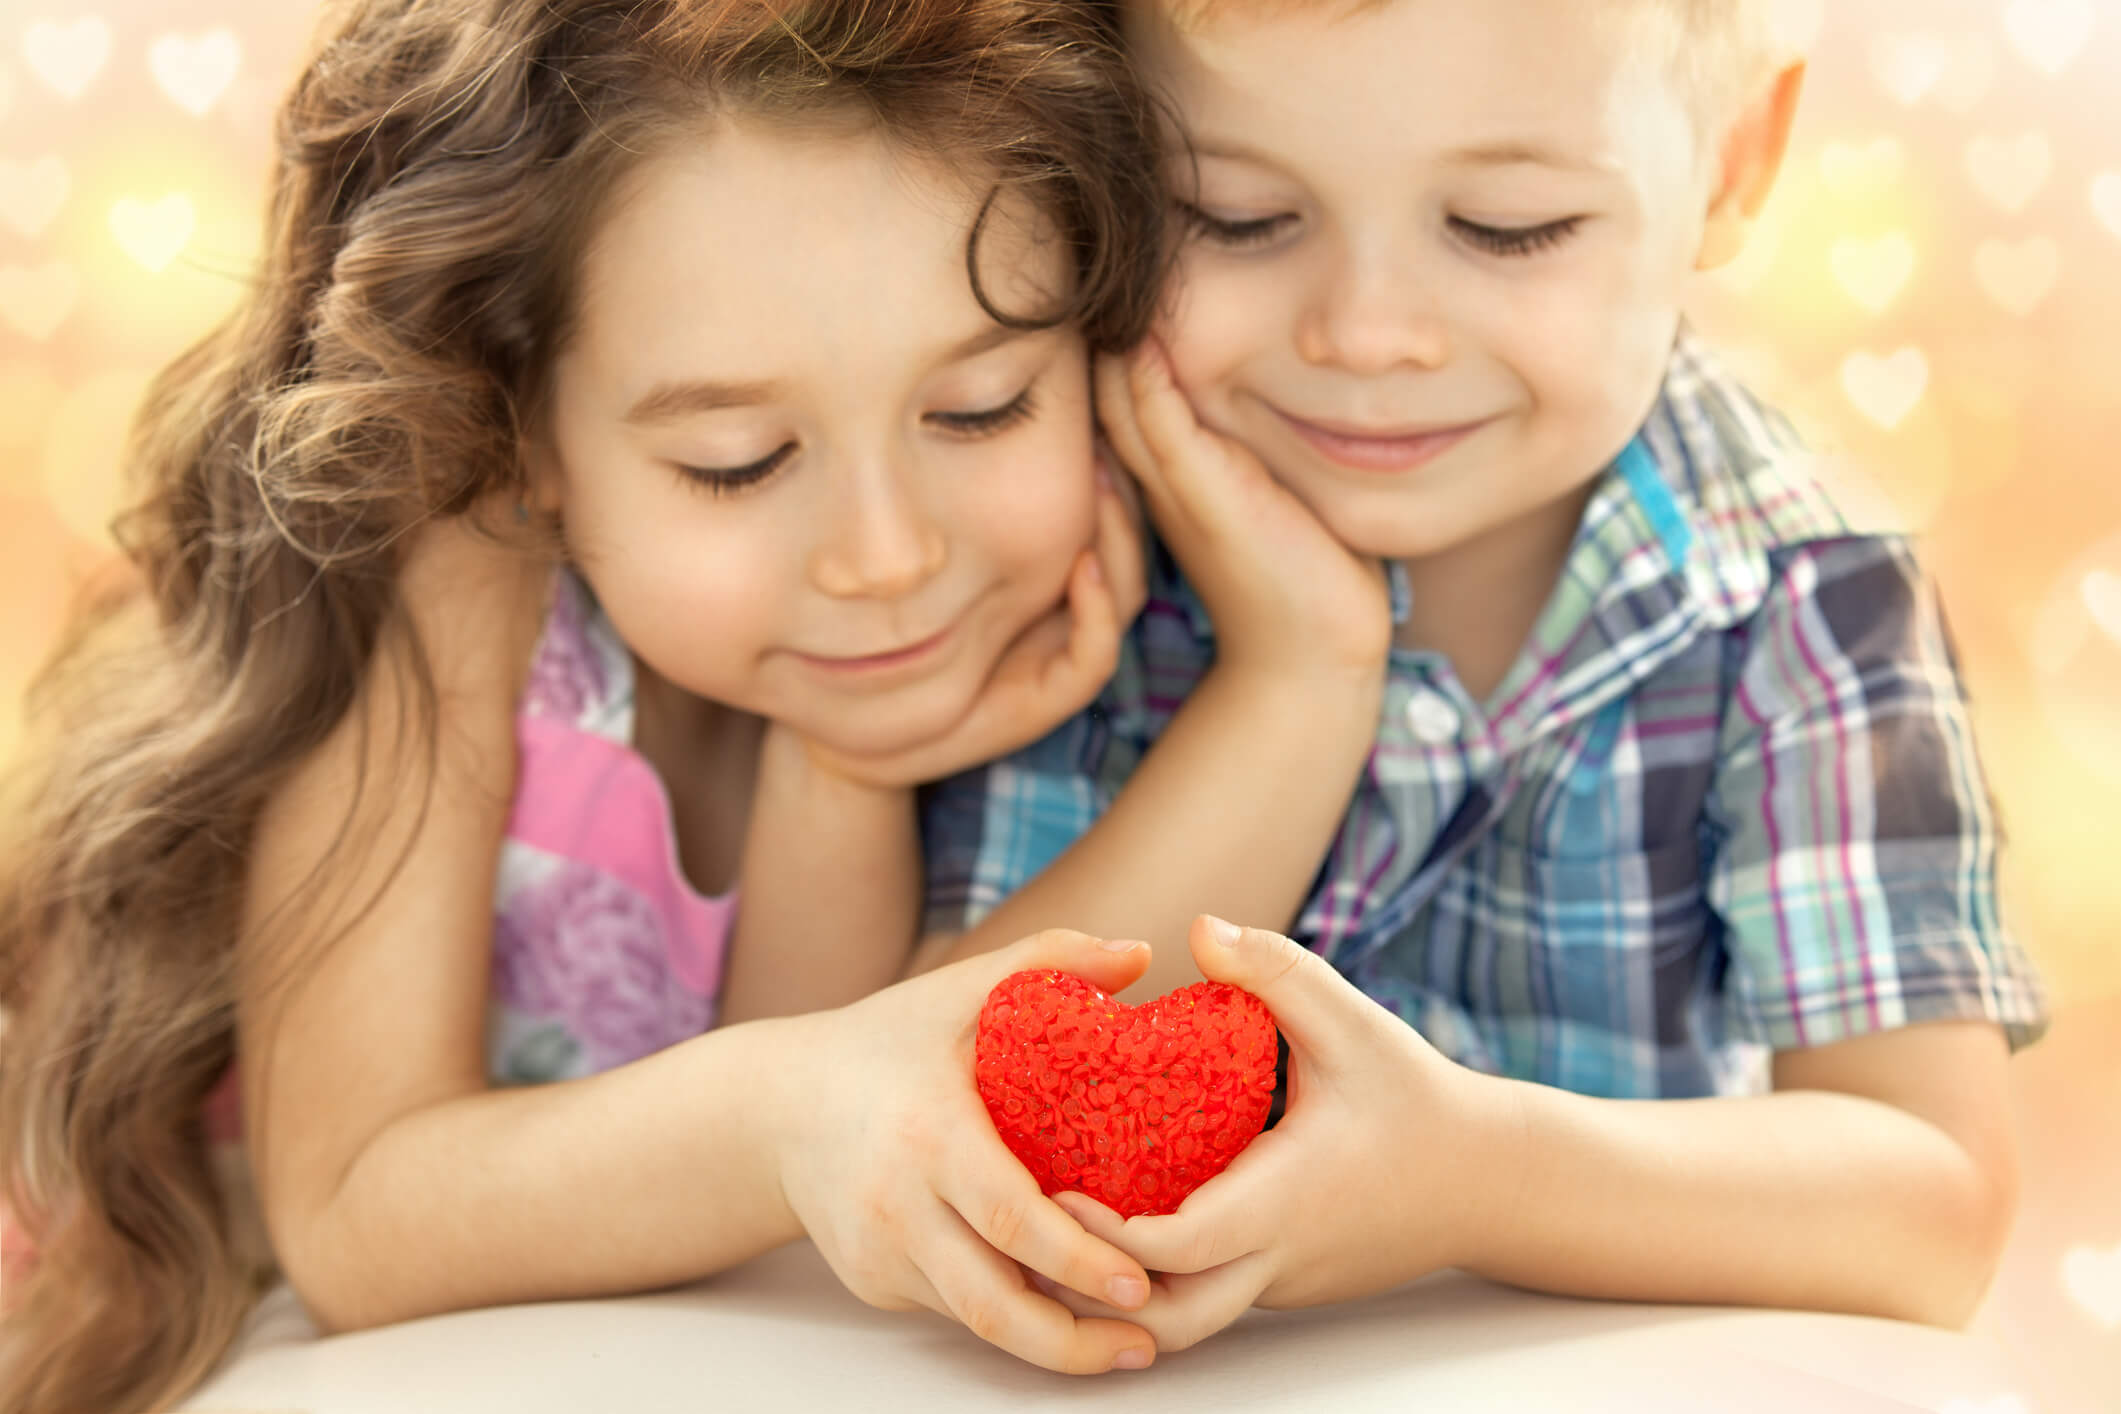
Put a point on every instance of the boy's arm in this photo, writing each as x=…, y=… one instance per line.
x=1881, y=1182
x=1233, y=808
x=830, y=891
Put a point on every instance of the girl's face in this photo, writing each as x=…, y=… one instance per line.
x=804, y=472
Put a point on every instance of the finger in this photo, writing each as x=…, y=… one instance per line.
x=1110, y=964
x=1184, y=1309
x=1320, y=1011
x=1115, y=414
x=999, y=1200
x=1163, y=416
x=1092, y=649
x=986, y=1293
x=1121, y=548
x=1218, y=1222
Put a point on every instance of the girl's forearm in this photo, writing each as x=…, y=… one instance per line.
x=1803, y=1199
x=830, y=900
x=1229, y=813
x=652, y=1174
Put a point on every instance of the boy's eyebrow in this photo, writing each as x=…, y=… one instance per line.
x=670, y=401
x=1512, y=152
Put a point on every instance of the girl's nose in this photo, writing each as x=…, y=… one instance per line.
x=1372, y=316
x=880, y=543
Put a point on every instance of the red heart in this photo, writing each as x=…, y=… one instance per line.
x=1135, y=1106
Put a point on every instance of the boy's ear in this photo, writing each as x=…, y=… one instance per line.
x=1753, y=148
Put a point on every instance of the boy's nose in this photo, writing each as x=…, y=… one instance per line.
x=879, y=543
x=1372, y=321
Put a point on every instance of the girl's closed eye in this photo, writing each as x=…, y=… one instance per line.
x=1516, y=240
x=987, y=422
x=726, y=480
x=1224, y=231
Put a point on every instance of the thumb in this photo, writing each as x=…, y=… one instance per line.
x=1107, y=963
x=1314, y=1006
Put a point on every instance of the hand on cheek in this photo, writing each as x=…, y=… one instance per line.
x=1284, y=594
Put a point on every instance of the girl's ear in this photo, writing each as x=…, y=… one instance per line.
x=1753, y=148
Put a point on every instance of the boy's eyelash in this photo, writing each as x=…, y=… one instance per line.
x=1517, y=240
x=727, y=480
x=1233, y=233
x=988, y=421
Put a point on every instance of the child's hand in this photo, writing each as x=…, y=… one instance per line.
x=1054, y=669
x=889, y=1160
x=1285, y=595
x=1368, y=1181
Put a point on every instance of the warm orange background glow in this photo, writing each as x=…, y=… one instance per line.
x=1935, y=292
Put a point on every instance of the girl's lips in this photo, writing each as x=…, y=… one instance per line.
x=881, y=662
x=1399, y=452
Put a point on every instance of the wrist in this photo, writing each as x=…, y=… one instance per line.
x=1490, y=1168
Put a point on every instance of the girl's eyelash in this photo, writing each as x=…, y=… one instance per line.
x=1517, y=240
x=1233, y=233
x=988, y=421
x=726, y=480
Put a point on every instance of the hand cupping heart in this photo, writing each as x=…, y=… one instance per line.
x=1134, y=1106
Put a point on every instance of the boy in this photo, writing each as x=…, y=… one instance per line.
x=1667, y=771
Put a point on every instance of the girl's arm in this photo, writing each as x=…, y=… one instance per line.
x=396, y=1184
x=831, y=887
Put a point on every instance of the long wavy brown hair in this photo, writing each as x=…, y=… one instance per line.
x=441, y=165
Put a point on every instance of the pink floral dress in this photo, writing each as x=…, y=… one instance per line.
x=602, y=951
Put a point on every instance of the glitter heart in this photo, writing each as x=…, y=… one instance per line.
x=31, y=193
x=196, y=72
x=2048, y=33
x=1908, y=66
x=36, y=302
x=67, y=57
x=1886, y=390
x=1873, y=272
x=1134, y=1106
x=2018, y=277
x=154, y=233
x=2009, y=171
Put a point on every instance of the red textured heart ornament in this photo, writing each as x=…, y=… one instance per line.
x=1136, y=1106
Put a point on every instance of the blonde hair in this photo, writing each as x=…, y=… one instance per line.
x=441, y=165
x=1719, y=50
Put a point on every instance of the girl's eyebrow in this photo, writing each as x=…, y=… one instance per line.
x=682, y=398
x=667, y=402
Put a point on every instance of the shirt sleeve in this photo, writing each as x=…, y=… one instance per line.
x=1855, y=866
x=989, y=831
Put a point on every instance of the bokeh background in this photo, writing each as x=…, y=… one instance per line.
x=1935, y=294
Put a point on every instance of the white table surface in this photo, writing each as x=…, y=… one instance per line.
x=780, y=1333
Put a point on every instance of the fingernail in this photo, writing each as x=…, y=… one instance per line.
x=1120, y=944
x=1224, y=932
x=1127, y=1292
x=1135, y=1357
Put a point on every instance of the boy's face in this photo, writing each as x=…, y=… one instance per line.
x=1438, y=249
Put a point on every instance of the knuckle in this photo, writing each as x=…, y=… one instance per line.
x=1006, y=1221
x=984, y=1317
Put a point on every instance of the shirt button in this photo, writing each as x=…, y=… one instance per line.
x=1432, y=718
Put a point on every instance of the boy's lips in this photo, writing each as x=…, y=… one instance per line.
x=1382, y=449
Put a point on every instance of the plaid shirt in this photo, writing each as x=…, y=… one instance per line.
x=1725, y=802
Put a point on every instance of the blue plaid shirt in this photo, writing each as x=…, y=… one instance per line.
x=1725, y=802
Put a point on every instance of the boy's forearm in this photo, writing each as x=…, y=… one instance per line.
x=830, y=899
x=1803, y=1199
x=1230, y=813
x=652, y=1174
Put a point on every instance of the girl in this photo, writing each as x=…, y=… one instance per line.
x=770, y=323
